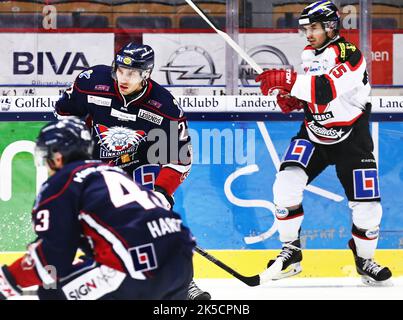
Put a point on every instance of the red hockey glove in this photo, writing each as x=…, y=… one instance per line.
x=276, y=79
x=8, y=287
x=288, y=103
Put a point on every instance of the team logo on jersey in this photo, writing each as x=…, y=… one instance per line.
x=119, y=142
x=144, y=258
x=146, y=175
x=300, y=151
x=366, y=184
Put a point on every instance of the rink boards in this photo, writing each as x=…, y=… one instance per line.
x=227, y=197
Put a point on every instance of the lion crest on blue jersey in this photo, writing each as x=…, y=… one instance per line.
x=116, y=141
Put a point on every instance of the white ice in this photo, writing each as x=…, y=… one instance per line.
x=302, y=289
x=298, y=289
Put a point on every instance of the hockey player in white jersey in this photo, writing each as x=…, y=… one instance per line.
x=334, y=93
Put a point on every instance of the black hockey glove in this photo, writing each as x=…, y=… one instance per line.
x=170, y=200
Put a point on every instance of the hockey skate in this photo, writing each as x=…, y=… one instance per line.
x=287, y=263
x=195, y=293
x=372, y=274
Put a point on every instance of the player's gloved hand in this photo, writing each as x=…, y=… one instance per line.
x=8, y=286
x=276, y=79
x=287, y=102
x=167, y=200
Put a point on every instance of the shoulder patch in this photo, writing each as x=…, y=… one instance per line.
x=86, y=74
x=346, y=50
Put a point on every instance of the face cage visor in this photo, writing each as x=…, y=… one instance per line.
x=314, y=28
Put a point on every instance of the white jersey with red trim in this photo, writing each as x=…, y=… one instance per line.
x=336, y=88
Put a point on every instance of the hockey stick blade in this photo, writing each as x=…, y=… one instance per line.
x=251, y=281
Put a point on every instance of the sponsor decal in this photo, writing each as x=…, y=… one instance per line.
x=178, y=63
x=300, y=151
x=102, y=87
x=324, y=132
x=372, y=233
x=144, y=258
x=366, y=185
x=105, y=102
x=123, y=116
x=94, y=284
x=154, y=103
x=5, y=103
x=86, y=74
x=149, y=116
x=281, y=213
x=323, y=116
x=146, y=175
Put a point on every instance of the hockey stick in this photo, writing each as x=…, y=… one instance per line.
x=271, y=273
x=251, y=281
x=227, y=39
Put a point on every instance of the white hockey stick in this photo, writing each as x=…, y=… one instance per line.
x=228, y=39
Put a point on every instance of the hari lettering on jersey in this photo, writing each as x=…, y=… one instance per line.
x=366, y=184
x=300, y=151
x=149, y=116
x=105, y=102
x=117, y=141
x=162, y=226
x=144, y=258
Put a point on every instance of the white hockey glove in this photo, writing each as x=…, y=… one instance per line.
x=8, y=286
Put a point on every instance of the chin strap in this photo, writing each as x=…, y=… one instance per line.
x=329, y=41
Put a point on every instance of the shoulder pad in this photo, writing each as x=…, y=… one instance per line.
x=346, y=50
x=162, y=99
x=96, y=79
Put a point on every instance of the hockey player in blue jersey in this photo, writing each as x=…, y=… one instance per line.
x=136, y=124
x=137, y=248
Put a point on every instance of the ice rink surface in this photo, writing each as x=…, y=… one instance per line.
x=302, y=289
x=297, y=289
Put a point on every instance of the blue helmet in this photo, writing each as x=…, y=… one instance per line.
x=322, y=11
x=135, y=56
x=70, y=137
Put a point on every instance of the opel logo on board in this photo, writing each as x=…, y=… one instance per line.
x=193, y=64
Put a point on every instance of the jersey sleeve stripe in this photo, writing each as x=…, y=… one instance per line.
x=39, y=266
x=116, y=245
